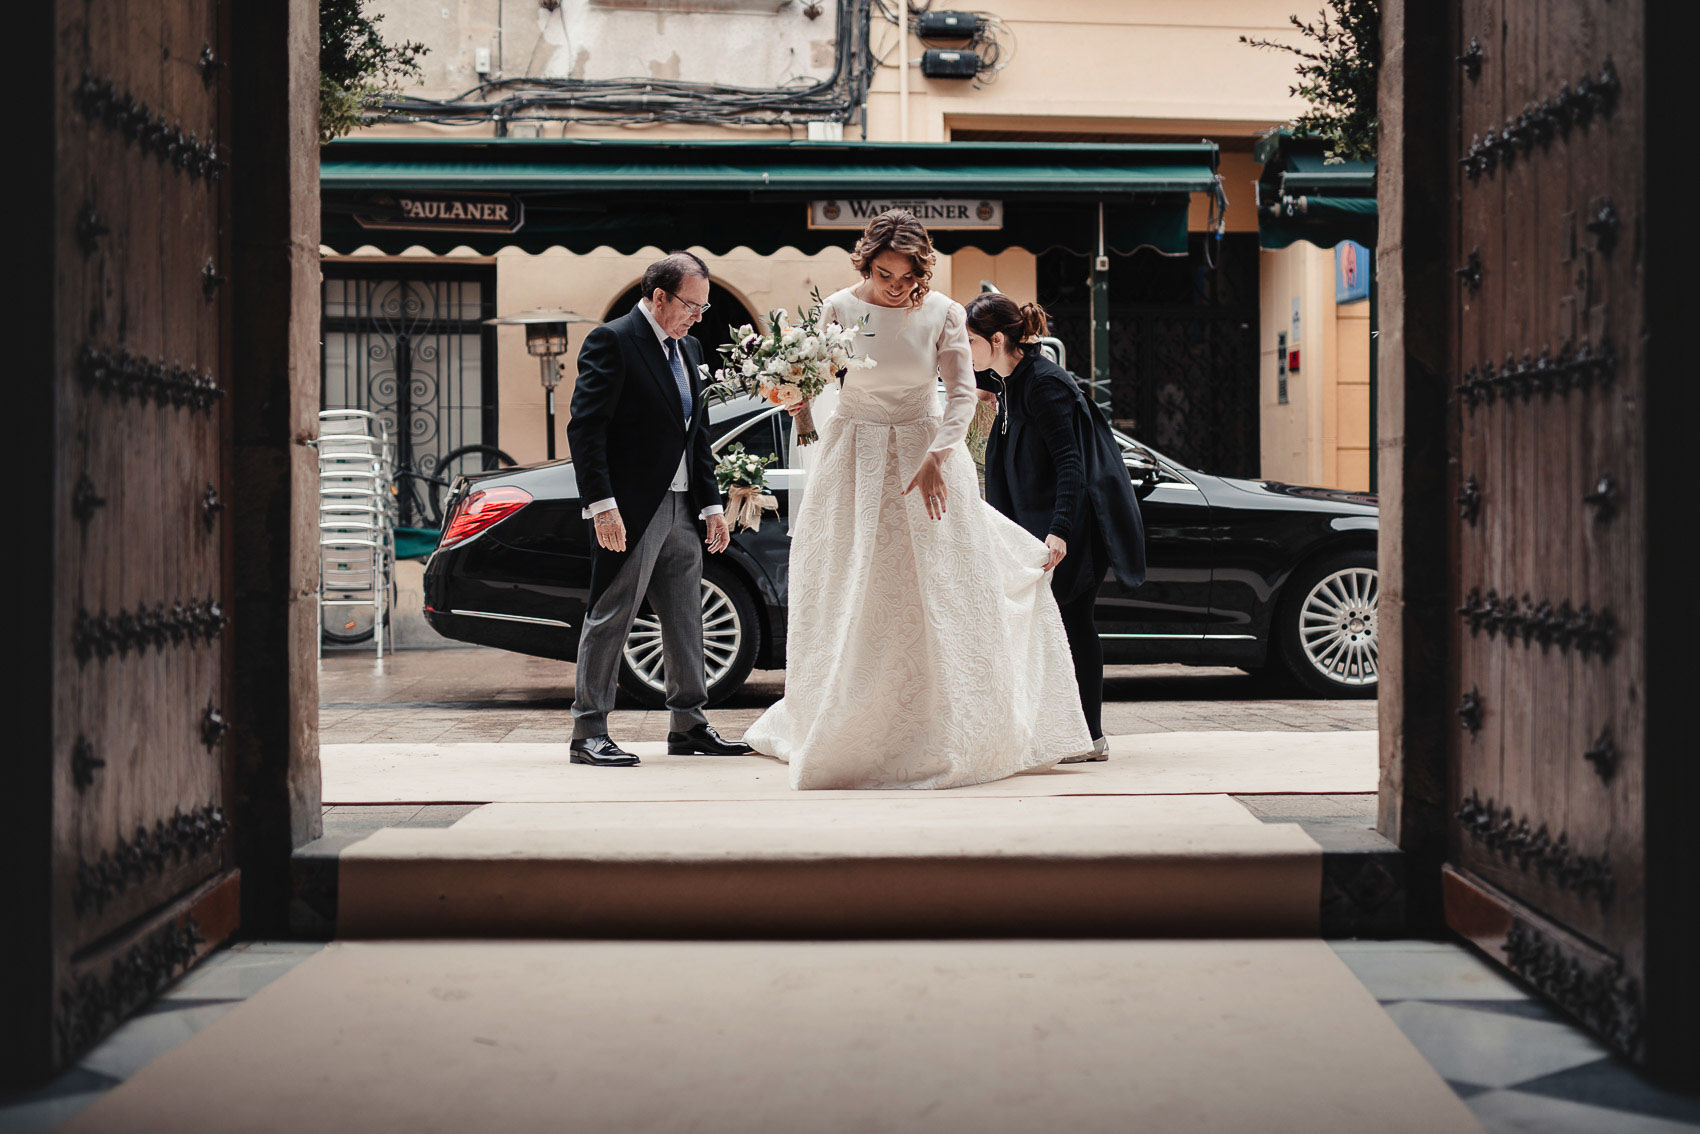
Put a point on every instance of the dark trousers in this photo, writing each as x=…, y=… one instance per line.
x=1088, y=654
x=665, y=566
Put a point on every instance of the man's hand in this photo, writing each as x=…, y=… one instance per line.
x=719, y=535
x=1057, y=547
x=610, y=530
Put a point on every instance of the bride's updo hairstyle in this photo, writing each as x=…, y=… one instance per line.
x=992, y=313
x=897, y=230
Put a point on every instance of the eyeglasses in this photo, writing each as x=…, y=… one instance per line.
x=696, y=309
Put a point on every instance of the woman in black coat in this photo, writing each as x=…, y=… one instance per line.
x=1053, y=467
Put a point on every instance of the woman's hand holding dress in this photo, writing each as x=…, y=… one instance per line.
x=929, y=478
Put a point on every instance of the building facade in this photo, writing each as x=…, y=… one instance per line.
x=1200, y=337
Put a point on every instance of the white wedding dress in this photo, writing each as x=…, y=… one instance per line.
x=921, y=653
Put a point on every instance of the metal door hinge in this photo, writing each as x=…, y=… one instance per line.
x=1470, y=500
x=1470, y=275
x=1470, y=711
x=84, y=500
x=210, y=65
x=211, y=506
x=213, y=726
x=1604, y=224
x=1603, y=755
x=90, y=228
x=1604, y=499
x=84, y=764
x=1471, y=60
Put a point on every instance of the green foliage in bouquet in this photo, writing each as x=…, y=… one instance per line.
x=737, y=467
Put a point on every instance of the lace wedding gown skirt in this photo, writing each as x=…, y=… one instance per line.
x=921, y=653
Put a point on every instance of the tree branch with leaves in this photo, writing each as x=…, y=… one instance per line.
x=358, y=68
x=1338, y=68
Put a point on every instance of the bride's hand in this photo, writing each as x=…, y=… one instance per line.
x=930, y=480
x=799, y=407
x=1056, y=547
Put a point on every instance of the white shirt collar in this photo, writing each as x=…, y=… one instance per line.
x=662, y=336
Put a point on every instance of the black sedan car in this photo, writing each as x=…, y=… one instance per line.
x=1241, y=573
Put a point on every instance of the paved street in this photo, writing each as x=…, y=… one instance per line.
x=473, y=694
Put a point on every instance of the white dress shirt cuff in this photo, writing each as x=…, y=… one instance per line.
x=711, y=510
x=600, y=506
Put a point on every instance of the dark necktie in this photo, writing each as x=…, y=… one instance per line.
x=684, y=383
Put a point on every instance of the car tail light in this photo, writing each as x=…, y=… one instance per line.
x=481, y=511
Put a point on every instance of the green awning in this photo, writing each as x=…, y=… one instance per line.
x=582, y=195
x=1303, y=196
x=1324, y=221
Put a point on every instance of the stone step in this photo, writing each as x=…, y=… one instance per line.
x=994, y=1037
x=759, y=871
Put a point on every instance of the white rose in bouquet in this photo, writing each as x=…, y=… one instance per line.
x=788, y=364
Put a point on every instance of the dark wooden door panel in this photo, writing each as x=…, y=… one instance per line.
x=141, y=787
x=1547, y=571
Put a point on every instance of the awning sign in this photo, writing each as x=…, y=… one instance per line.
x=934, y=212
x=439, y=212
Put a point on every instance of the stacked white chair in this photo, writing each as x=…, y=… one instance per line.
x=357, y=517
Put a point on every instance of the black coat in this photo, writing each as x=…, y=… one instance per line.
x=627, y=431
x=1053, y=466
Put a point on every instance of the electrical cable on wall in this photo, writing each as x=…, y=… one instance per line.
x=648, y=101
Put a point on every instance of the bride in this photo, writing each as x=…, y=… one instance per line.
x=924, y=646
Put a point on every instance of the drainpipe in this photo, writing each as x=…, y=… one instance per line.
x=1101, y=318
x=903, y=70
x=1374, y=349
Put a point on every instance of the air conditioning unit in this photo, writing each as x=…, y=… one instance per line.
x=937, y=64
x=948, y=25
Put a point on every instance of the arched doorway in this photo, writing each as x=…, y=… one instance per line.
x=725, y=311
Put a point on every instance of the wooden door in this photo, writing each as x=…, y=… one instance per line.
x=1547, y=839
x=142, y=879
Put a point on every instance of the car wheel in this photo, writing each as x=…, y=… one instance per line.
x=730, y=635
x=1328, y=627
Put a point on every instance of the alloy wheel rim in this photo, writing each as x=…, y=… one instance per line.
x=1339, y=626
x=722, y=637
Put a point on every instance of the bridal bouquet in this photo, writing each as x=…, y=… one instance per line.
x=743, y=478
x=788, y=363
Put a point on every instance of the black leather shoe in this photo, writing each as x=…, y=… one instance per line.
x=704, y=741
x=600, y=752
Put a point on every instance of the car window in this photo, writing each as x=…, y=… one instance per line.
x=757, y=433
x=1127, y=443
x=732, y=409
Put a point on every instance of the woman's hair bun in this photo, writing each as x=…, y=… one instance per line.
x=1035, y=324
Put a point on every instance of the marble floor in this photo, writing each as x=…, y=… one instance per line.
x=1517, y=1066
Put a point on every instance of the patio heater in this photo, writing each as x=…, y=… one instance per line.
x=546, y=340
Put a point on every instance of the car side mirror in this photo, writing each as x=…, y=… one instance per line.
x=1142, y=471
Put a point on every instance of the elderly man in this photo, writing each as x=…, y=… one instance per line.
x=640, y=447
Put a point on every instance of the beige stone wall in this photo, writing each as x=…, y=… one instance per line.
x=1321, y=435
x=1094, y=69
x=1169, y=67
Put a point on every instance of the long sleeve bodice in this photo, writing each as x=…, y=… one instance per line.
x=913, y=349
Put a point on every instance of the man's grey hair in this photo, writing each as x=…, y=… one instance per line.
x=670, y=271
